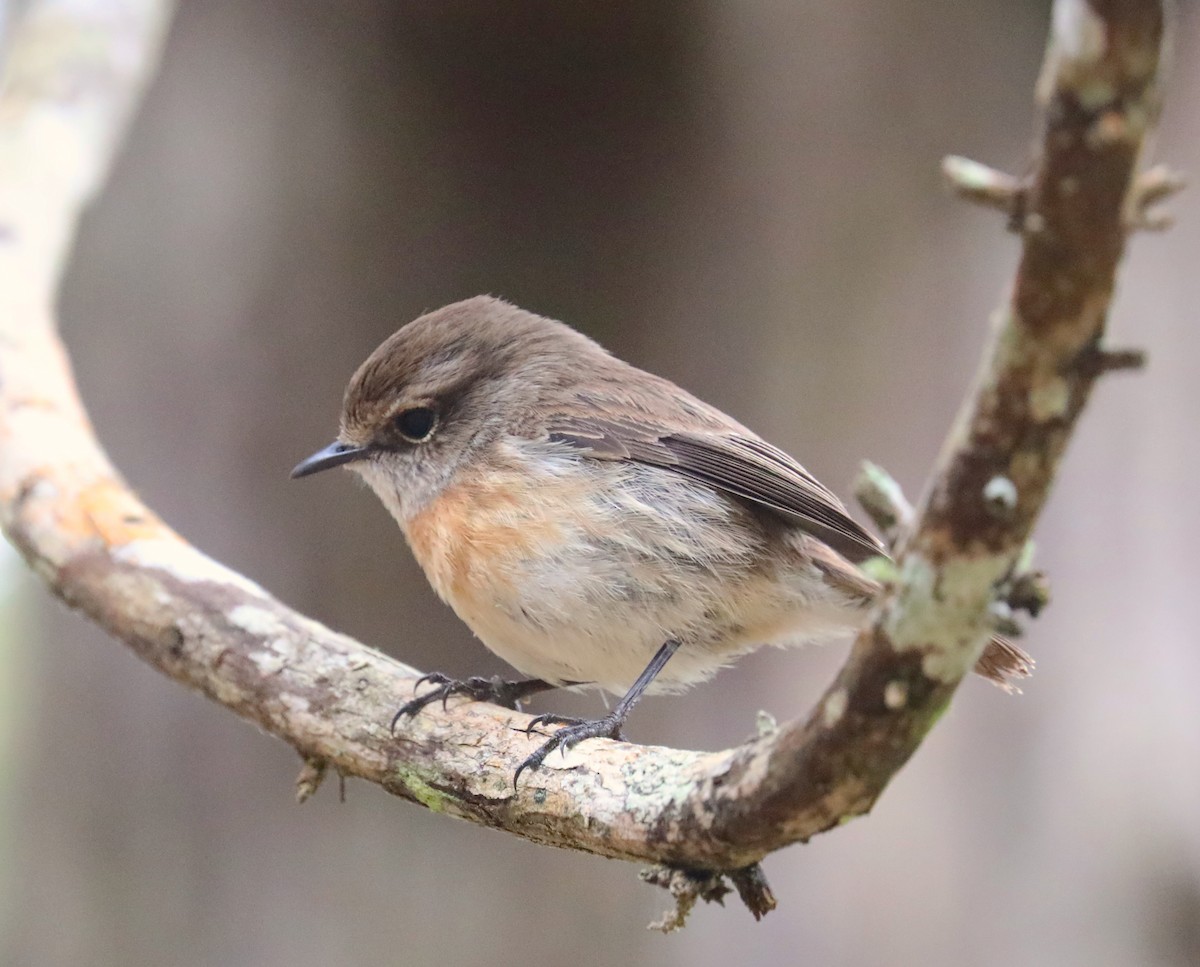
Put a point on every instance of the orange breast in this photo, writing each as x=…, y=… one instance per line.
x=482, y=538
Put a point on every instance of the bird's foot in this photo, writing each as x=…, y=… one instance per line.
x=495, y=690
x=573, y=731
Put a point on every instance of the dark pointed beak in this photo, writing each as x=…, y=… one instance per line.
x=333, y=455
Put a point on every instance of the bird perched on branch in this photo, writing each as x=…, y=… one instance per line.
x=592, y=523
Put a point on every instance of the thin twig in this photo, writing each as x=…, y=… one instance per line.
x=984, y=186
x=883, y=500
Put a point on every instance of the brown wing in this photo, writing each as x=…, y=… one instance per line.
x=743, y=466
x=754, y=470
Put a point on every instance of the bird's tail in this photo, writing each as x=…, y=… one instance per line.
x=1003, y=663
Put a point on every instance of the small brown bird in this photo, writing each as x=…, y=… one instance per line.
x=592, y=523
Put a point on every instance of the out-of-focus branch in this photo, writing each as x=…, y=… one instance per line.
x=74, y=74
x=1099, y=97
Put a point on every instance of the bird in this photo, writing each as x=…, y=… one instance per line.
x=595, y=525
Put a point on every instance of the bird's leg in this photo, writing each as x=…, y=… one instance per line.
x=576, y=730
x=494, y=689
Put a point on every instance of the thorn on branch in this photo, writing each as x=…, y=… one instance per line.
x=1151, y=187
x=754, y=890
x=1097, y=361
x=986, y=186
x=884, y=502
x=1028, y=592
x=688, y=886
x=1153, y=220
x=1113, y=360
x=312, y=773
x=1157, y=184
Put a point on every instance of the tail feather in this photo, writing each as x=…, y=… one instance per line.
x=1003, y=663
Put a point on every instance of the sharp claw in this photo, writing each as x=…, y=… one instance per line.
x=408, y=708
x=535, y=760
x=573, y=732
x=435, y=678
x=532, y=724
x=414, y=706
x=476, y=688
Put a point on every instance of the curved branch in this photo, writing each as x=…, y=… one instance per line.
x=100, y=549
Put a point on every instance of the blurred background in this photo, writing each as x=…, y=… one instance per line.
x=742, y=195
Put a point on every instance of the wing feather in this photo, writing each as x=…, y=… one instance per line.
x=741, y=465
x=751, y=469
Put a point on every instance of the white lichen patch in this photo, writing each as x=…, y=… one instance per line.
x=765, y=724
x=274, y=648
x=184, y=563
x=268, y=661
x=895, y=695
x=1048, y=400
x=256, y=621
x=1001, y=494
x=642, y=793
x=1079, y=33
x=944, y=613
x=834, y=708
x=296, y=704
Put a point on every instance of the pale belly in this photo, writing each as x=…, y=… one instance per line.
x=584, y=577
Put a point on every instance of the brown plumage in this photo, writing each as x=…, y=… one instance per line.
x=585, y=517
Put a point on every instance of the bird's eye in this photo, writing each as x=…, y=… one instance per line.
x=416, y=424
